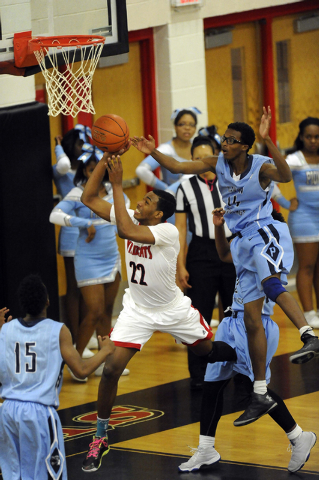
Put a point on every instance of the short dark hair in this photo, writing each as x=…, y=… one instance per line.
x=79, y=176
x=247, y=133
x=201, y=140
x=32, y=295
x=166, y=204
x=298, y=143
x=185, y=112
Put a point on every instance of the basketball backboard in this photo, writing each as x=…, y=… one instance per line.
x=59, y=17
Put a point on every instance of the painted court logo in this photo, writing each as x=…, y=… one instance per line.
x=122, y=416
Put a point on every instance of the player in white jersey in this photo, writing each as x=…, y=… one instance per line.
x=232, y=331
x=263, y=247
x=33, y=350
x=152, y=302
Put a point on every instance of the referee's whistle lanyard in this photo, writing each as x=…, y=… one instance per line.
x=210, y=184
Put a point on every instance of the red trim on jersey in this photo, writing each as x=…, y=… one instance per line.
x=127, y=345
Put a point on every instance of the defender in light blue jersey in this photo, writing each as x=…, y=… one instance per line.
x=262, y=251
x=33, y=350
x=232, y=331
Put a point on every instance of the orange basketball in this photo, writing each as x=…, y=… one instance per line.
x=110, y=133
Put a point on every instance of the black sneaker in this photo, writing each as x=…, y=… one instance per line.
x=308, y=351
x=98, y=448
x=258, y=406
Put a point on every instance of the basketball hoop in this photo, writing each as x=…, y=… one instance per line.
x=69, y=91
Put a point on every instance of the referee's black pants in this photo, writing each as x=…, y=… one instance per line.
x=207, y=276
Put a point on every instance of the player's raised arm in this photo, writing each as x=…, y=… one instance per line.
x=125, y=226
x=281, y=171
x=90, y=196
x=222, y=245
x=147, y=146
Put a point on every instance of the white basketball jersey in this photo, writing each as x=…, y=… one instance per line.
x=151, y=269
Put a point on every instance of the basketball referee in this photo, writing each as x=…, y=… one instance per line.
x=200, y=271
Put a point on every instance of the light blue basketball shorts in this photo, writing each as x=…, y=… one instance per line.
x=232, y=331
x=259, y=253
x=32, y=443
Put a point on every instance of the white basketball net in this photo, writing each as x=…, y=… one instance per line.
x=70, y=91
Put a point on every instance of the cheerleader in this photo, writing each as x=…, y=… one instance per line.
x=179, y=147
x=97, y=260
x=67, y=151
x=304, y=220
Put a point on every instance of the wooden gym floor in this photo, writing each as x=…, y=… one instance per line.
x=156, y=418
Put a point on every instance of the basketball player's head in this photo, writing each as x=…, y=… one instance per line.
x=156, y=207
x=32, y=295
x=237, y=140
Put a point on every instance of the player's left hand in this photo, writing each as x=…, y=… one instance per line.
x=3, y=312
x=115, y=169
x=218, y=217
x=143, y=144
x=265, y=123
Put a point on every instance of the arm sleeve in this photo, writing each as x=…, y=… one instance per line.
x=144, y=173
x=279, y=198
x=63, y=162
x=60, y=216
x=173, y=188
x=295, y=159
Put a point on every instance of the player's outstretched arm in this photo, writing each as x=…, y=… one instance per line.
x=126, y=228
x=147, y=146
x=79, y=366
x=90, y=196
x=281, y=171
x=222, y=245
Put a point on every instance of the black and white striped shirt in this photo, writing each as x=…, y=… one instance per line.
x=198, y=198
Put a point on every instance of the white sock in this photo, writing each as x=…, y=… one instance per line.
x=205, y=441
x=294, y=433
x=307, y=329
x=260, y=386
